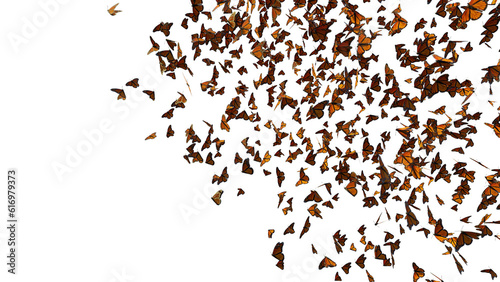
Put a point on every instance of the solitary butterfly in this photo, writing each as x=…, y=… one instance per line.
x=112, y=11
x=151, y=136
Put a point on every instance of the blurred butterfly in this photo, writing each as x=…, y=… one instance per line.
x=491, y=272
x=112, y=11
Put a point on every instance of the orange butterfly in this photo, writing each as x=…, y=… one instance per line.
x=304, y=179
x=326, y=262
x=121, y=93
x=134, y=83
x=217, y=197
x=152, y=136
x=112, y=11
x=417, y=272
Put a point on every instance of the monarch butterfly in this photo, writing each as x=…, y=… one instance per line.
x=134, y=83
x=222, y=178
x=417, y=272
x=289, y=229
x=164, y=28
x=169, y=114
x=150, y=93
x=351, y=188
x=246, y=167
x=364, y=43
x=314, y=211
x=491, y=26
x=197, y=9
x=465, y=238
x=492, y=73
x=326, y=263
x=360, y=261
x=473, y=10
x=151, y=136
x=112, y=11
x=303, y=179
x=259, y=51
x=320, y=32
x=313, y=196
x=217, y=197
x=491, y=272
x=397, y=24
x=223, y=124
x=121, y=93
x=209, y=160
x=270, y=233
x=278, y=254
x=170, y=131
x=306, y=227
x=240, y=192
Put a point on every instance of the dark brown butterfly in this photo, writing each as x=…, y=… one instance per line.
x=240, y=192
x=278, y=254
x=306, y=227
x=465, y=238
x=150, y=93
x=164, y=28
x=170, y=131
x=281, y=176
x=246, y=167
x=491, y=272
x=134, y=83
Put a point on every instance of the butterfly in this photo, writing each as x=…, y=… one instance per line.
x=326, y=263
x=150, y=93
x=303, y=178
x=270, y=233
x=246, y=167
x=491, y=272
x=170, y=131
x=217, y=197
x=240, y=192
x=121, y=93
x=164, y=28
x=289, y=229
x=134, y=83
x=465, y=238
x=306, y=227
x=112, y=11
x=151, y=136
x=417, y=272
x=280, y=175
x=473, y=10
x=278, y=254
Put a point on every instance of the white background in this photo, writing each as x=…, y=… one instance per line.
x=118, y=214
